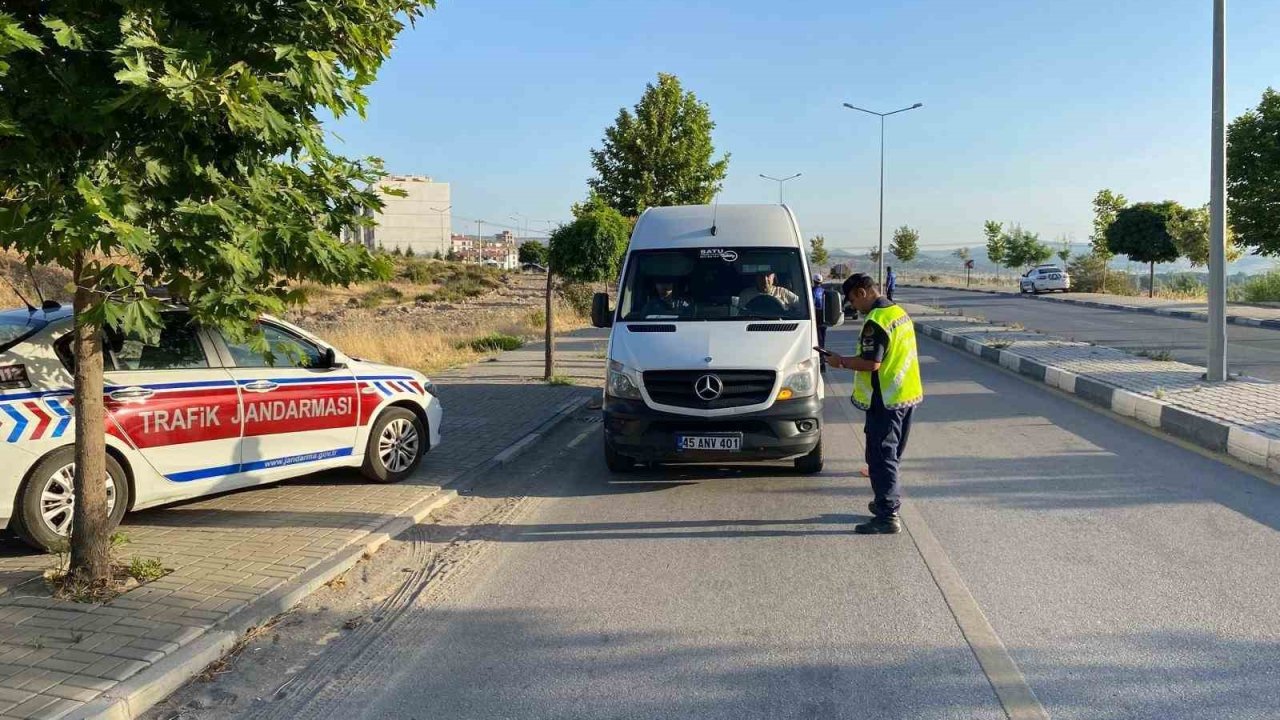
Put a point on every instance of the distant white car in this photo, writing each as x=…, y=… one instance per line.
x=1045, y=278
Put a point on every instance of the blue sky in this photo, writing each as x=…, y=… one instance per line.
x=1030, y=105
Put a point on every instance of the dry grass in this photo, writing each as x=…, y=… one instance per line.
x=405, y=343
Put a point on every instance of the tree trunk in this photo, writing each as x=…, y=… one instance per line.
x=1151, y=282
x=1104, y=275
x=550, y=336
x=90, y=536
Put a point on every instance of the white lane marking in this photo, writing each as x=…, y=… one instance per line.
x=1010, y=686
x=581, y=436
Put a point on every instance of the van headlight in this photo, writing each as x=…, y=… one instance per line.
x=800, y=381
x=623, y=382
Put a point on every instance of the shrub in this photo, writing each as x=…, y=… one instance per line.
x=493, y=342
x=1086, y=276
x=578, y=297
x=1184, y=286
x=379, y=295
x=1258, y=288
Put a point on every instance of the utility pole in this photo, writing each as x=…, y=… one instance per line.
x=1217, y=365
x=479, y=242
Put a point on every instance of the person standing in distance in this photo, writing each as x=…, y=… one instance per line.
x=818, y=300
x=886, y=384
x=890, y=282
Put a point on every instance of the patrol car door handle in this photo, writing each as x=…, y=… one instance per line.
x=261, y=386
x=132, y=393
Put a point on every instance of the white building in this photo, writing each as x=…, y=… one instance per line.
x=420, y=220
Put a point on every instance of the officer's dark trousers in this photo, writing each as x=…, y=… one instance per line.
x=887, y=432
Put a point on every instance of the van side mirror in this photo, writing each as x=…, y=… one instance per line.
x=601, y=315
x=832, y=309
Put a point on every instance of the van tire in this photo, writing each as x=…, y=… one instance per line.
x=810, y=464
x=615, y=462
x=401, y=426
x=28, y=519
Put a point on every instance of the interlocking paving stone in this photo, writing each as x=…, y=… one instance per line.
x=1248, y=402
x=230, y=550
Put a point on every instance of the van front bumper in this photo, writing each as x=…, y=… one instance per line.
x=635, y=430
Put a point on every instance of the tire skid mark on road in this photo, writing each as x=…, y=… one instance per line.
x=1002, y=672
x=367, y=656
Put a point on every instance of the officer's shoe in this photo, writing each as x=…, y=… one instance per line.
x=882, y=525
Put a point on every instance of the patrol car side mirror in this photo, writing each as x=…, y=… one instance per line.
x=832, y=308
x=328, y=359
x=601, y=316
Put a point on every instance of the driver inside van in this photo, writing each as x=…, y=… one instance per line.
x=767, y=284
x=664, y=302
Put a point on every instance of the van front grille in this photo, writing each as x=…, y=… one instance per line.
x=678, y=388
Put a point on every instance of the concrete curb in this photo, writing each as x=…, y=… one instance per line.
x=1165, y=312
x=1207, y=432
x=137, y=694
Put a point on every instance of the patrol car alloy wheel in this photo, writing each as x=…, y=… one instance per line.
x=47, y=501
x=397, y=442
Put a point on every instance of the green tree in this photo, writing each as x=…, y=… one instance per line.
x=1064, y=251
x=589, y=249
x=659, y=155
x=1253, y=175
x=181, y=145
x=874, y=255
x=1141, y=231
x=995, y=243
x=963, y=254
x=905, y=244
x=1023, y=249
x=818, y=251
x=532, y=251
x=1105, y=206
x=1189, y=228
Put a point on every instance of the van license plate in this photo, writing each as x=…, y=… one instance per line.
x=716, y=443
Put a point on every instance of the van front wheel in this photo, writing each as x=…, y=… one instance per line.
x=810, y=464
x=615, y=462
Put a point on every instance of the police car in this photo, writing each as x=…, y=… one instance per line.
x=196, y=414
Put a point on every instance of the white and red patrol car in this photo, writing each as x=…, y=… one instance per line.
x=196, y=414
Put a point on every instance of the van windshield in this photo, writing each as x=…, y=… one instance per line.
x=724, y=283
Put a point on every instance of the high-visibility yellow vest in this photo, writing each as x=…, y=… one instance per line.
x=899, y=371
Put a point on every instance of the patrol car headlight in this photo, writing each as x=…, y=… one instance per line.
x=623, y=382
x=800, y=381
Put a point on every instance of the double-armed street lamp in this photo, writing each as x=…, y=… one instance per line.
x=882, y=116
x=780, y=181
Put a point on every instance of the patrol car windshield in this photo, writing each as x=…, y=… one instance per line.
x=16, y=326
x=723, y=283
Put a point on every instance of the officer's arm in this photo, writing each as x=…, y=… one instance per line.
x=861, y=364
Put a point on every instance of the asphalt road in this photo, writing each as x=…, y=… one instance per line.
x=1126, y=576
x=1250, y=351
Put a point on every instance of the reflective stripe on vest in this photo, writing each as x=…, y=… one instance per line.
x=899, y=372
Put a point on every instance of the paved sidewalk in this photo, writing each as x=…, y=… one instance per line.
x=228, y=552
x=1240, y=417
x=1250, y=315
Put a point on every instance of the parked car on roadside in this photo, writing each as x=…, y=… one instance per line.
x=1045, y=278
x=195, y=414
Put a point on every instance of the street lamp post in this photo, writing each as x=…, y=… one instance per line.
x=1217, y=365
x=445, y=244
x=882, y=116
x=780, y=181
x=479, y=242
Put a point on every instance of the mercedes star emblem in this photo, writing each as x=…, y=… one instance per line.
x=708, y=387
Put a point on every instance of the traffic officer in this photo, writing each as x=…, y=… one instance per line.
x=886, y=384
